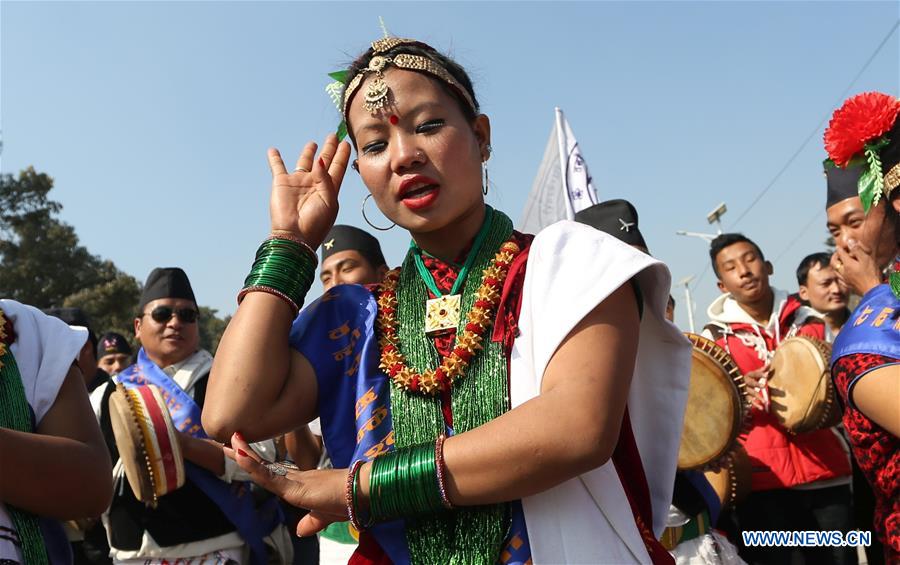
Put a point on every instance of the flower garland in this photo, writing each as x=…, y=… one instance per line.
x=453, y=366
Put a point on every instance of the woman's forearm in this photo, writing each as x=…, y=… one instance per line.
x=54, y=476
x=251, y=366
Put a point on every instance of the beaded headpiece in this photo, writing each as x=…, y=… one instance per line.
x=376, y=92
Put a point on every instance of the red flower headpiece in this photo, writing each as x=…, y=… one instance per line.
x=860, y=120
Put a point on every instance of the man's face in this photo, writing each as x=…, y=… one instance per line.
x=349, y=267
x=823, y=290
x=167, y=341
x=743, y=273
x=847, y=220
x=114, y=363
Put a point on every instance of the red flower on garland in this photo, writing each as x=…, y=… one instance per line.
x=861, y=119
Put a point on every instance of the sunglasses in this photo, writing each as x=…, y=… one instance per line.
x=163, y=314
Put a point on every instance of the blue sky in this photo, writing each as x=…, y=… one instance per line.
x=154, y=118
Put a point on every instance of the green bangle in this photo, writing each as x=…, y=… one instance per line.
x=404, y=483
x=284, y=268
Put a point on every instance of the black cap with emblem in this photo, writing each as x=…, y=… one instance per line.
x=112, y=342
x=618, y=218
x=350, y=238
x=166, y=282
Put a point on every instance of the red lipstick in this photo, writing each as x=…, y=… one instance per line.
x=418, y=192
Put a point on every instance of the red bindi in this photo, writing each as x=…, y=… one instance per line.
x=393, y=119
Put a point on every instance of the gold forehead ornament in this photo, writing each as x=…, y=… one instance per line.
x=377, y=91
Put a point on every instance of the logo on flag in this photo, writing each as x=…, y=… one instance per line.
x=562, y=185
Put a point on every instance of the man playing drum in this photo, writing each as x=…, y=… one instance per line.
x=209, y=518
x=799, y=481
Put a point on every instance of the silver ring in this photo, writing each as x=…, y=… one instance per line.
x=281, y=469
x=301, y=169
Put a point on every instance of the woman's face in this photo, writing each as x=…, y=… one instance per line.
x=419, y=156
x=847, y=220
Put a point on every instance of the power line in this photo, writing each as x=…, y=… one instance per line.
x=799, y=235
x=803, y=145
x=818, y=126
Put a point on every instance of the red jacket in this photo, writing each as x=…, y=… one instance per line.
x=779, y=459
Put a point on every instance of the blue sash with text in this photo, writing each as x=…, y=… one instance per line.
x=874, y=327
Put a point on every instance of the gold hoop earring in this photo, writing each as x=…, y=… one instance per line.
x=366, y=218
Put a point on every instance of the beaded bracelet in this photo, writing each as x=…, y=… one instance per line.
x=350, y=494
x=441, y=471
x=402, y=483
x=284, y=268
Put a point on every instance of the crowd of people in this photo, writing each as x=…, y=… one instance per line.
x=499, y=397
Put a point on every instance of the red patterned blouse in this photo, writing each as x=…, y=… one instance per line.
x=876, y=450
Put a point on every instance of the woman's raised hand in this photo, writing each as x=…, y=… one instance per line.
x=304, y=202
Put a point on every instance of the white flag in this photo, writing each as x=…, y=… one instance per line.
x=562, y=185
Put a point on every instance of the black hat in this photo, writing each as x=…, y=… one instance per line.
x=166, y=282
x=617, y=217
x=73, y=317
x=112, y=342
x=842, y=183
x=350, y=238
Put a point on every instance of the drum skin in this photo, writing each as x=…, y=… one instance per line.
x=147, y=442
x=715, y=408
x=801, y=395
x=732, y=479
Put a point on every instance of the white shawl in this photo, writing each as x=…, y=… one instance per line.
x=571, y=269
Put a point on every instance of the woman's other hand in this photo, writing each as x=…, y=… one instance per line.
x=856, y=267
x=304, y=201
x=322, y=492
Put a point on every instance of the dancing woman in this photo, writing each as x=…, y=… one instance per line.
x=500, y=397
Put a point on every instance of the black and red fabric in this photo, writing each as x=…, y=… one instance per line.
x=877, y=451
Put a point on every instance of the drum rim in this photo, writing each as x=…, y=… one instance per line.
x=728, y=464
x=716, y=353
x=824, y=349
x=141, y=448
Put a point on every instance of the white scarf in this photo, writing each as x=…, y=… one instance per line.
x=571, y=269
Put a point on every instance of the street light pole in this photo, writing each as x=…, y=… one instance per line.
x=689, y=304
x=714, y=217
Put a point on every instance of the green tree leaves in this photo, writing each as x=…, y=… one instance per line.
x=44, y=265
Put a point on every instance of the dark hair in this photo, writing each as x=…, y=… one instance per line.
x=821, y=259
x=423, y=50
x=727, y=240
x=671, y=301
